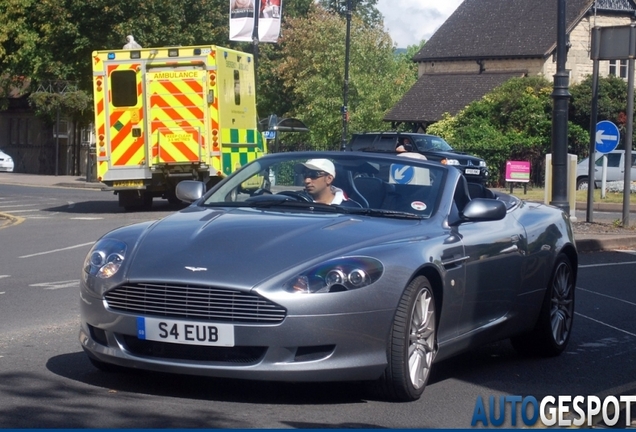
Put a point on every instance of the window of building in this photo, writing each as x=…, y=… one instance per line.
x=618, y=68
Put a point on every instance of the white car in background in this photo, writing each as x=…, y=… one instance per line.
x=615, y=169
x=6, y=162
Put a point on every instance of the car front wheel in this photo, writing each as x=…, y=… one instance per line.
x=412, y=343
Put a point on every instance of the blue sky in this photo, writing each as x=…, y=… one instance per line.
x=410, y=21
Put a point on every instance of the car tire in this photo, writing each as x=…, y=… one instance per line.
x=412, y=344
x=553, y=329
x=582, y=183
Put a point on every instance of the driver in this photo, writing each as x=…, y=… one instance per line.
x=318, y=176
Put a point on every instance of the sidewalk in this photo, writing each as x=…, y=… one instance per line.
x=585, y=242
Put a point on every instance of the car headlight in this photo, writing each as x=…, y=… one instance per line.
x=105, y=258
x=337, y=275
x=482, y=163
x=450, y=162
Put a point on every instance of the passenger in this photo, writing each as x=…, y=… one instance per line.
x=404, y=144
x=318, y=176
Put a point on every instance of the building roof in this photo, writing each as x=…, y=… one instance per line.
x=435, y=94
x=489, y=29
x=481, y=29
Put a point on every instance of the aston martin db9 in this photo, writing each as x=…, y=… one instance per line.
x=330, y=266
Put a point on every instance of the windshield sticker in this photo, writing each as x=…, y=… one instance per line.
x=418, y=205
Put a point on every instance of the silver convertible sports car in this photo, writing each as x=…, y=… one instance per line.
x=330, y=266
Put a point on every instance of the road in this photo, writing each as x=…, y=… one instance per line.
x=47, y=382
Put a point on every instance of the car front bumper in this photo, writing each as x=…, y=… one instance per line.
x=326, y=347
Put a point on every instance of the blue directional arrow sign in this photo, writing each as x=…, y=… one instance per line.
x=402, y=174
x=607, y=136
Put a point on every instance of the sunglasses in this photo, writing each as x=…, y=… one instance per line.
x=314, y=174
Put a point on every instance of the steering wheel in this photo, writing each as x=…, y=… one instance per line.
x=297, y=195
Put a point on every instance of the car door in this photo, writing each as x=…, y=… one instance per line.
x=494, y=255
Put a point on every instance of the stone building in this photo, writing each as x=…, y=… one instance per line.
x=486, y=42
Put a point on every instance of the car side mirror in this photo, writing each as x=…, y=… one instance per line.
x=483, y=209
x=190, y=190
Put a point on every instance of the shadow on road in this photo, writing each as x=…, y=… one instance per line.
x=76, y=367
x=112, y=207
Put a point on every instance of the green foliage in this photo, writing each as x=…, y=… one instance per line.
x=612, y=102
x=512, y=122
x=311, y=68
x=75, y=103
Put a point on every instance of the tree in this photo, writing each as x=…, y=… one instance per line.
x=612, y=102
x=312, y=70
x=512, y=122
x=52, y=40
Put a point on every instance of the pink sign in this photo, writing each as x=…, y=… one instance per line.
x=518, y=171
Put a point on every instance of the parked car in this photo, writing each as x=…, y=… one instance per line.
x=6, y=162
x=433, y=147
x=255, y=280
x=615, y=169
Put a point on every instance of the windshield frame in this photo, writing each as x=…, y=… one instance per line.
x=230, y=191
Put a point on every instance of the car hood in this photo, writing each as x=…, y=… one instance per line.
x=241, y=247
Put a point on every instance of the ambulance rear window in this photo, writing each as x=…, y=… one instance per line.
x=124, y=88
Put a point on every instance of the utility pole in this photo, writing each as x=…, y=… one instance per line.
x=345, y=96
x=561, y=97
x=255, y=39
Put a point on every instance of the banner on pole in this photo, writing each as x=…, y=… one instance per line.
x=242, y=19
x=269, y=21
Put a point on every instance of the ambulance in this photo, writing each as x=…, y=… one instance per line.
x=163, y=115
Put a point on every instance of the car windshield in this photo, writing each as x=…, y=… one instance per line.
x=375, y=185
x=430, y=142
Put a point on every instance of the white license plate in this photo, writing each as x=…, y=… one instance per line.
x=472, y=171
x=185, y=332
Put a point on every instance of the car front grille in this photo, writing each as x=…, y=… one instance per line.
x=194, y=302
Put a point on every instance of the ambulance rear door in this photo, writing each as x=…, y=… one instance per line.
x=176, y=114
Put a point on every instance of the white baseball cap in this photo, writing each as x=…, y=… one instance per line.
x=318, y=165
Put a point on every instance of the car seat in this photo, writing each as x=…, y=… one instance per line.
x=372, y=188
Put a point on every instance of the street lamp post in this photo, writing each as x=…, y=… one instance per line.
x=561, y=97
x=345, y=96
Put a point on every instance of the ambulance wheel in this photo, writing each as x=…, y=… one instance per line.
x=171, y=195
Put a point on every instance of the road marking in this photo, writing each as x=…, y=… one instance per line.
x=608, y=296
x=57, y=250
x=606, y=264
x=25, y=210
x=87, y=218
x=17, y=205
x=4, y=276
x=57, y=285
x=605, y=324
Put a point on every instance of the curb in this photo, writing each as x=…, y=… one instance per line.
x=587, y=244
